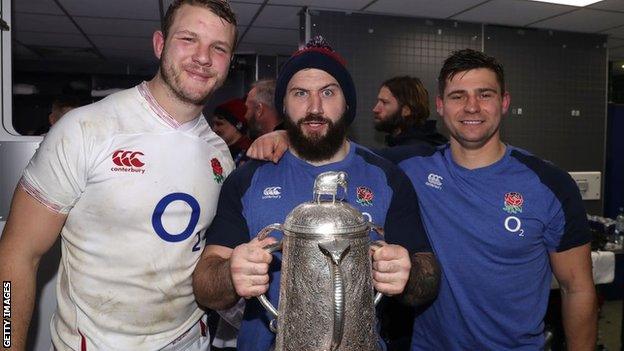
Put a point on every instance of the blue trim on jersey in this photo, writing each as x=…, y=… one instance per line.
x=229, y=217
x=576, y=231
x=492, y=230
x=262, y=193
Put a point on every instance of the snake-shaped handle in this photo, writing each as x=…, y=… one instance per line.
x=379, y=230
x=270, y=248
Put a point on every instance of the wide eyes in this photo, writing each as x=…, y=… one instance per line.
x=300, y=93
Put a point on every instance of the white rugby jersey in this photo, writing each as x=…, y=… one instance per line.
x=139, y=190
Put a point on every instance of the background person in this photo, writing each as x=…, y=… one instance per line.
x=401, y=112
x=261, y=114
x=229, y=122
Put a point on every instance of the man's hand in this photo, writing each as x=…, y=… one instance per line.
x=269, y=147
x=391, y=269
x=249, y=266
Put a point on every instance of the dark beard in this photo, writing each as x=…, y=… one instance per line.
x=253, y=130
x=316, y=148
x=390, y=124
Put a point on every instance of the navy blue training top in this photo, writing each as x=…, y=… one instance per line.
x=261, y=193
x=492, y=230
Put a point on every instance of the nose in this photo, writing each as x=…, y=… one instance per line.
x=472, y=105
x=203, y=55
x=316, y=104
x=377, y=108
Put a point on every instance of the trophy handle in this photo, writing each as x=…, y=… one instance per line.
x=379, y=230
x=270, y=248
x=335, y=251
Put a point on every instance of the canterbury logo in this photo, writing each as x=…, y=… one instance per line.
x=272, y=192
x=128, y=158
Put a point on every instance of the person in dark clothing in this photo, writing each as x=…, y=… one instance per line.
x=402, y=110
x=229, y=122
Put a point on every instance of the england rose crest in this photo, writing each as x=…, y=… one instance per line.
x=513, y=202
x=217, y=170
x=364, y=196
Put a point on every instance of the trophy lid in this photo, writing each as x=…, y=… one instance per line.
x=325, y=215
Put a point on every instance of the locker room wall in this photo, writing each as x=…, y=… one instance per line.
x=548, y=74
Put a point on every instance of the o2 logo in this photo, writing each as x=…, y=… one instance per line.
x=367, y=216
x=514, y=225
x=190, y=228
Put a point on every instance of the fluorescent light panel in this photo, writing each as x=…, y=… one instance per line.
x=579, y=3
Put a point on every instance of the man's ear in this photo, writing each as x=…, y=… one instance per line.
x=259, y=110
x=406, y=111
x=158, y=41
x=439, y=105
x=506, y=102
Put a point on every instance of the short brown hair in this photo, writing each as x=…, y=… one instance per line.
x=466, y=60
x=220, y=8
x=410, y=92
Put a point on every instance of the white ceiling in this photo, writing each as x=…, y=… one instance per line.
x=120, y=30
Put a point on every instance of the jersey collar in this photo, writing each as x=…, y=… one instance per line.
x=160, y=112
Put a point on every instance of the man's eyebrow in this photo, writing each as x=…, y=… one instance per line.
x=186, y=32
x=331, y=85
x=456, y=91
x=195, y=35
x=321, y=88
x=479, y=90
x=483, y=90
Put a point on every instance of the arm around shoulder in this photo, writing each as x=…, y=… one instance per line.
x=30, y=231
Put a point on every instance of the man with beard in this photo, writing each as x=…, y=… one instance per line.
x=130, y=183
x=500, y=220
x=261, y=114
x=317, y=97
x=402, y=110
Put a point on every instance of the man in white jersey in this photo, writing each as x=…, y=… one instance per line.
x=130, y=182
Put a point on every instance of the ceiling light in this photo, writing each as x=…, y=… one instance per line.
x=579, y=3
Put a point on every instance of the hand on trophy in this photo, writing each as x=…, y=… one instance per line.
x=391, y=268
x=249, y=266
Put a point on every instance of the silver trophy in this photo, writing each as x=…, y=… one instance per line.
x=326, y=290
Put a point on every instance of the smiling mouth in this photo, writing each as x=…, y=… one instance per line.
x=471, y=122
x=199, y=75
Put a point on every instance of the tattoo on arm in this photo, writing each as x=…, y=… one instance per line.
x=424, y=280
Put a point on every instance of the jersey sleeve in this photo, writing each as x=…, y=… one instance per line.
x=229, y=226
x=403, y=222
x=57, y=174
x=568, y=227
